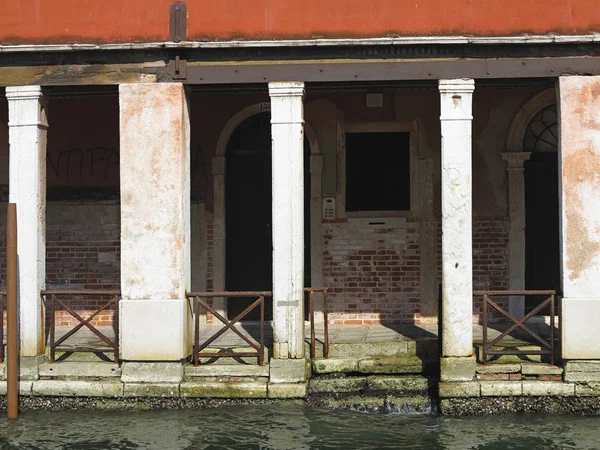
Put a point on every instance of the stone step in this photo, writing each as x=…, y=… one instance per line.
x=82, y=369
x=81, y=356
x=224, y=387
x=422, y=347
x=399, y=385
x=226, y=370
x=403, y=364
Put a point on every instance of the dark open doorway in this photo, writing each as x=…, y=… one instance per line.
x=249, y=254
x=542, y=248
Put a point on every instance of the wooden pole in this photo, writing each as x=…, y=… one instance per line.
x=12, y=373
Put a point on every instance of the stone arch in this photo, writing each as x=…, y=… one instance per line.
x=524, y=116
x=219, y=217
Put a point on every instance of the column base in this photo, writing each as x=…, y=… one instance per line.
x=579, y=319
x=457, y=368
x=289, y=370
x=155, y=330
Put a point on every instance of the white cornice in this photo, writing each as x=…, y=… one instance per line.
x=409, y=40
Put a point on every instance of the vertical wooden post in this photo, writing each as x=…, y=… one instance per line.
x=11, y=314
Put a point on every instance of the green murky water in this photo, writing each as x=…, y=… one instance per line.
x=292, y=426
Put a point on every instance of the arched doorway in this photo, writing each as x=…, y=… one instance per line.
x=542, y=249
x=249, y=251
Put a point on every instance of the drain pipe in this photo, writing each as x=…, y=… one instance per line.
x=12, y=373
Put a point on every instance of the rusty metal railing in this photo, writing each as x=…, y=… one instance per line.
x=548, y=347
x=311, y=303
x=2, y=301
x=229, y=325
x=51, y=299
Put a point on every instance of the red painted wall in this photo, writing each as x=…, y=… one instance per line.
x=63, y=21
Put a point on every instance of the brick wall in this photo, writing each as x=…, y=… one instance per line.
x=373, y=274
x=82, y=252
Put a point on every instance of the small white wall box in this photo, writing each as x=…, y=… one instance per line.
x=329, y=208
x=374, y=100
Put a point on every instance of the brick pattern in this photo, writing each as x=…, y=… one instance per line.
x=373, y=274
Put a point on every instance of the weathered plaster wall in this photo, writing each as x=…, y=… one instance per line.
x=35, y=21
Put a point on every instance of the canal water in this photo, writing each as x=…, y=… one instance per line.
x=292, y=426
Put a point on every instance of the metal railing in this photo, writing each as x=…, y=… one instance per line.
x=229, y=325
x=2, y=301
x=311, y=303
x=547, y=346
x=51, y=299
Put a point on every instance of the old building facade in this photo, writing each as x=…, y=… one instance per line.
x=413, y=152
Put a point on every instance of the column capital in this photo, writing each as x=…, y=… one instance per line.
x=27, y=105
x=516, y=160
x=24, y=93
x=456, y=86
x=286, y=89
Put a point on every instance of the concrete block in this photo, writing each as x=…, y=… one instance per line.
x=540, y=369
x=405, y=384
x=151, y=390
x=501, y=388
x=391, y=364
x=287, y=390
x=156, y=372
x=218, y=389
x=589, y=389
x=25, y=388
x=457, y=368
x=581, y=377
x=287, y=371
x=226, y=370
x=498, y=368
x=545, y=388
x=80, y=369
x=458, y=389
x=337, y=385
x=334, y=365
x=78, y=388
x=582, y=366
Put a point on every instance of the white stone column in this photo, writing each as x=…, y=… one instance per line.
x=28, y=128
x=287, y=122
x=155, y=317
x=579, y=171
x=516, y=230
x=457, y=259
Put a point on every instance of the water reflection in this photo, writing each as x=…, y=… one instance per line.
x=292, y=426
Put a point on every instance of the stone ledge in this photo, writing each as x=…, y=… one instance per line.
x=405, y=384
x=391, y=364
x=498, y=368
x=501, y=388
x=540, y=369
x=78, y=388
x=587, y=390
x=215, y=389
x=160, y=372
x=286, y=390
x=25, y=388
x=151, y=390
x=581, y=377
x=80, y=369
x=226, y=370
x=582, y=366
x=333, y=365
x=548, y=388
x=337, y=385
x=459, y=389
